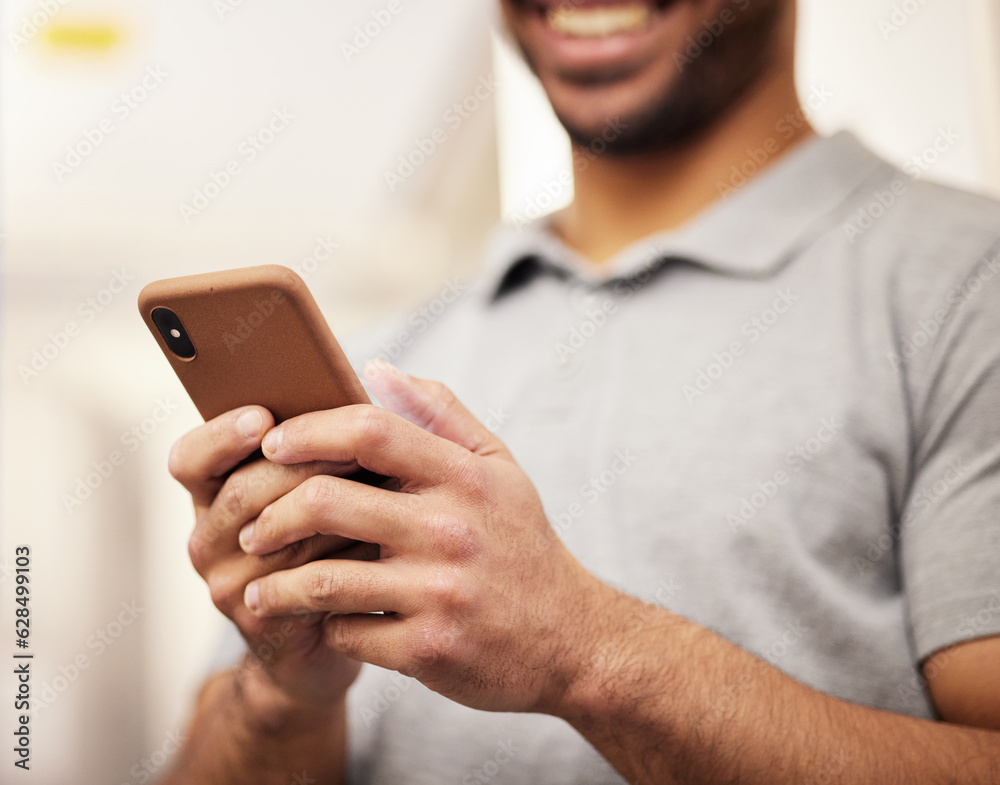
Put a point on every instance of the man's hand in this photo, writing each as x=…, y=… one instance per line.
x=481, y=601
x=290, y=666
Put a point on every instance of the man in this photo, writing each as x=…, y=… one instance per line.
x=764, y=431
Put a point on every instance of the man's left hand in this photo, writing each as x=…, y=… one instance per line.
x=479, y=599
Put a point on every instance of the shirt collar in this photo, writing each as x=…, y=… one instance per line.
x=748, y=233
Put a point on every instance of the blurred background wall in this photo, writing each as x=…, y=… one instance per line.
x=116, y=119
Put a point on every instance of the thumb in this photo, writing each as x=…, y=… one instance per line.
x=430, y=405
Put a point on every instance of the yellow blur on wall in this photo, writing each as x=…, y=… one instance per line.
x=82, y=37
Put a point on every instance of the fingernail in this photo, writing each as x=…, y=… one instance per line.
x=249, y=424
x=245, y=534
x=272, y=441
x=252, y=596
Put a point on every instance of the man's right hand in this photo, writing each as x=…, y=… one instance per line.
x=290, y=667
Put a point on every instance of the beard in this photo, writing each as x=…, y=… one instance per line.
x=709, y=81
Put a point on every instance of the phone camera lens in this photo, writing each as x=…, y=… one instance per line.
x=173, y=332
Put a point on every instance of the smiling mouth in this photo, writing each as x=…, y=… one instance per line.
x=582, y=19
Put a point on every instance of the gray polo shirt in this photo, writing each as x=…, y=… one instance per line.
x=781, y=421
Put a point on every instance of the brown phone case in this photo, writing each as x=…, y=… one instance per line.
x=257, y=337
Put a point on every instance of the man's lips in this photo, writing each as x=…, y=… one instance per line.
x=599, y=20
x=596, y=41
x=547, y=5
x=595, y=19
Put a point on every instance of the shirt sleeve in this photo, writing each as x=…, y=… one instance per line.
x=950, y=526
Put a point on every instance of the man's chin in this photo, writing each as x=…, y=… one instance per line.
x=606, y=112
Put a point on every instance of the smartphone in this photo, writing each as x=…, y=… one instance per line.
x=249, y=336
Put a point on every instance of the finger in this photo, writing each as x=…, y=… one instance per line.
x=332, y=505
x=432, y=406
x=330, y=586
x=377, y=640
x=241, y=498
x=201, y=459
x=228, y=578
x=377, y=439
x=394, y=642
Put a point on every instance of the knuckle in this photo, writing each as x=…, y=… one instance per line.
x=263, y=528
x=210, y=529
x=316, y=496
x=322, y=582
x=219, y=432
x=444, y=394
x=470, y=473
x=374, y=426
x=453, y=536
x=199, y=552
x=444, y=592
x=235, y=495
x=223, y=591
x=430, y=647
x=342, y=636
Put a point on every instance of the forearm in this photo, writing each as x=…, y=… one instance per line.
x=242, y=732
x=677, y=704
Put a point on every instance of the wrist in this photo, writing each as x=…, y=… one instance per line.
x=626, y=655
x=268, y=709
x=591, y=639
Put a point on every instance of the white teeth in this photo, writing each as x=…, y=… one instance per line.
x=598, y=21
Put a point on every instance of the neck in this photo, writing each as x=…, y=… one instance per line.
x=621, y=199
